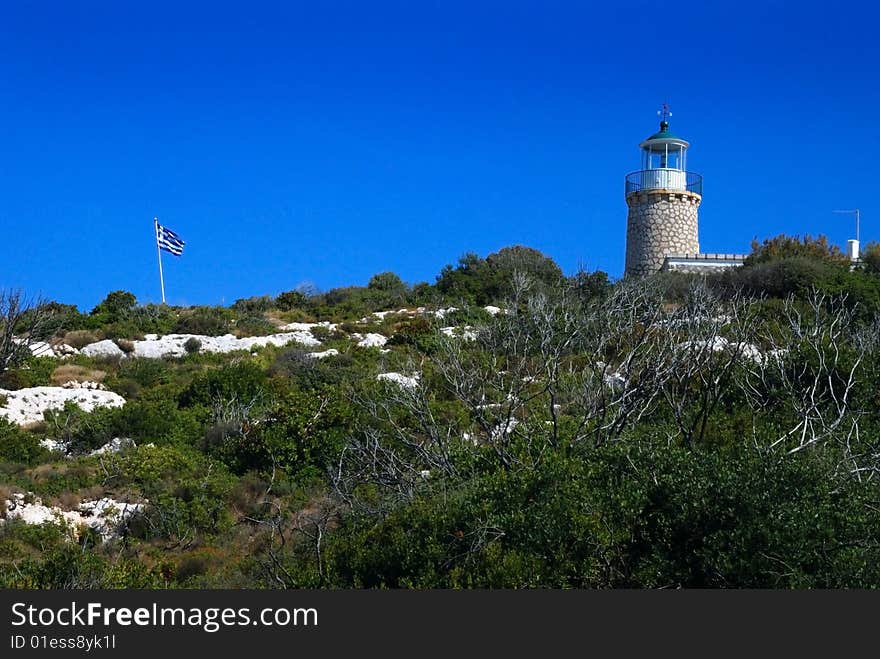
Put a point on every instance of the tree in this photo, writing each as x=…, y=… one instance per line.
x=786, y=247
x=22, y=323
x=115, y=307
x=289, y=300
x=386, y=289
x=485, y=281
x=871, y=257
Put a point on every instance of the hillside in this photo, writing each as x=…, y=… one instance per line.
x=505, y=426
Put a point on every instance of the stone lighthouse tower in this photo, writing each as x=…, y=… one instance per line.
x=663, y=198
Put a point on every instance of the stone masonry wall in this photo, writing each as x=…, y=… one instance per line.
x=659, y=223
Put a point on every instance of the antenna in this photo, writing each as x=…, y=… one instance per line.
x=856, y=212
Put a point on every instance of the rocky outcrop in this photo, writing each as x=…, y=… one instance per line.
x=106, y=516
x=26, y=406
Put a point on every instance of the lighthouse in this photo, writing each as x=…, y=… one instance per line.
x=662, y=198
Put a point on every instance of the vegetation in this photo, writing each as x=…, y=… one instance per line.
x=681, y=431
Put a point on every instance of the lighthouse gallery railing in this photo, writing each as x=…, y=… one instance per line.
x=664, y=179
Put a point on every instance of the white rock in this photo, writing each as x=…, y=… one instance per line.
x=614, y=380
x=57, y=445
x=504, y=428
x=307, y=327
x=466, y=333
x=105, y=348
x=85, y=384
x=104, y=515
x=173, y=345
x=107, y=515
x=370, y=340
x=326, y=353
x=492, y=311
x=41, y=349
x=442, y=313
x=405, y=381
x=115, y=445
x=27, y=405
x=751, y=351
x=715, y=344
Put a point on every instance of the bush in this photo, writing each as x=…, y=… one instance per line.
x=302, y=432
x=787, y=247
x=125, y=345
x=483, y=282
x=871, y=258
x=16, y=445
x=309, y=373
x=779, y=278
x=254, y=326
x=253, y=306
x=117, y=306
x=192, y=345
x=84, y=431
x=591, y=285
x=243, y=382
x=418, y=332
x=35, y=372
x=81, y=338
x=187, y=492
x=290, y=300
x=57, y=318
x=208, y=321
x=146, y=372
x=385, y=291
x=67, y=567
x=641, y=515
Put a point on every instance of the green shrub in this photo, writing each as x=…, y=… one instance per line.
x=208, y=321
x=84, y=431
x=68, y=567
x=192, y=345
x=116, y=307
x=243, y=381
x=871, y=258
x=301, y=431
x=419, y=332
x=253, y=306
x=33, y=372
x=487, y=281
x=646, y=515
x=146, y=372
x=17, y=445
x=781, y=277
x=788, y=247
x=187, y=492
x=254, y=326
x=290, y=300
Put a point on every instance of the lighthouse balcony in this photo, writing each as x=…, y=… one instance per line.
x=664, y=179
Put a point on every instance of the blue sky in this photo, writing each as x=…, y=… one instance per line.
x=323, y=142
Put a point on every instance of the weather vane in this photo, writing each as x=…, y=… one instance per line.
x=664, y=113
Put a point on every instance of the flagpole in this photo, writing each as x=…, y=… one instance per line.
x=159, y=254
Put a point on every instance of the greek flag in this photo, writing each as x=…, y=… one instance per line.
x=169, y=241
